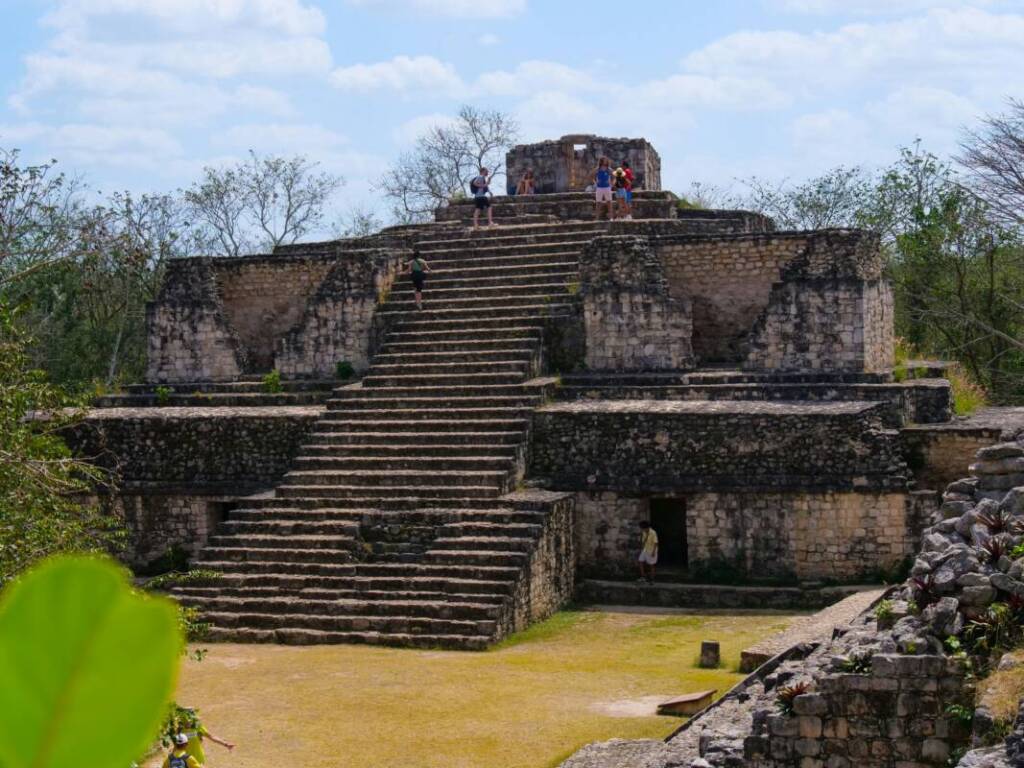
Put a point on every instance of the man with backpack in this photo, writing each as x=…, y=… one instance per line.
x=480, y=187
x=179, y=756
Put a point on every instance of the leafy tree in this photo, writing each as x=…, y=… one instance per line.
x=444, y=161
x=39, y=478
x=260, y=203
x=837, y=198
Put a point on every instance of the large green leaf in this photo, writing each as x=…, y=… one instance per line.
x=87, y=667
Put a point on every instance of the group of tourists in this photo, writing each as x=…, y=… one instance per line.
x=608, y=186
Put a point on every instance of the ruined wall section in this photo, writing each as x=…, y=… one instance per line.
x=189, y=337
x=832, y=310
x=558, y=165
x=630, y=321
x=338, y=322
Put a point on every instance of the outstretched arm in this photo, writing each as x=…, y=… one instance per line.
x=223, y=743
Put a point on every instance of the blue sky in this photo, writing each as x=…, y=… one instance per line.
x=140, y=94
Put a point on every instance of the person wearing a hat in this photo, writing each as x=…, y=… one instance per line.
x=179, y=756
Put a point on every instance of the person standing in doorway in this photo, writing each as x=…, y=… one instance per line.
x=417, y=267
x=648, y=551
x=481, y=189
x=603, y=188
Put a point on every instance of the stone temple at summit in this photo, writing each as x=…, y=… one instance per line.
x=444, y=477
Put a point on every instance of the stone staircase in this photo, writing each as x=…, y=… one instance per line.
x=399, y=522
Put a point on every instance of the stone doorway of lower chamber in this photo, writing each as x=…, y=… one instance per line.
x=668, y=519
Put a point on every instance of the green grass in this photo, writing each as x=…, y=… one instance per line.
x=581, y=676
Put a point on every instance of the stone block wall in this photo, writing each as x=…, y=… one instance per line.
x=189, y=337
x=558, y=166
x=339, y=320
x=201, y=449
x=631, y=323
x=937, y=454
x=802, y=535
x=300, y=311
x=672, y=446
x=893, y=717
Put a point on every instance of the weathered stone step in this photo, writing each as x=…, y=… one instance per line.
x=482, y=543
x=506, y=452
x=496, y=270
x=485, y=590
x=244, y=386
x=284, y=541
x=538, y=233
x=454, y=257
x=235, y=526
x=401, y=440
x=470, y=300
x=530, y=388
x=485, y=366
x=254, y=567
x=445, y=515
x=436, y=609
x=413, y=625
x=340, y=416
x=392, y=590
x=395, y=478
x=384, y=494
x=419, y=463
x=203, y=400
x=275, y=555
x=512, y=313
x=435, y=426
x=467, y=344
x=377, y=399
x=416, y=327
x=451, y=357
x=493, y=278
x=443, y=379
x=485, y=528
x=291, y=636
x=461, y=569
x=491, y=557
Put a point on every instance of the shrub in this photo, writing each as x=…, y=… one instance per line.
x=924, y=591
x=968, y=396
x=883, y=611
x=858, y=664
x=344, y=370
x=1000, y=522
x=995, y=548
x=163, y=395
x=195, y=577
x=784, y=701
x=272, y=382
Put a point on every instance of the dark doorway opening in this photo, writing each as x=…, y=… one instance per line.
x=668, y=519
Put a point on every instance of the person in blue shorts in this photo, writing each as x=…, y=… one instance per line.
x=624, y=190
x=603, y=187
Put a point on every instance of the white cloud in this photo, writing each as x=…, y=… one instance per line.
x=100, y=146
x=410, y=130
x=402, y=74
x=871, y=7
x=457, y=9
x=529, y=77
x=281, y=138
x=489, y=39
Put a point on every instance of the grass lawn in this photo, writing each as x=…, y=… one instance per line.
x=581, y=676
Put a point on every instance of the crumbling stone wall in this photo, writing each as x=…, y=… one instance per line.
x=801, y=535
x=338, y=323
x=194, y=448
x=559, y=167
x=666, y=445
x=301, y=311
x=631, y=322
x=262, y=298
x=189, y=337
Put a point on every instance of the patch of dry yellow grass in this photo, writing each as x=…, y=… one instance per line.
x=581, y=677
x=1001, y=691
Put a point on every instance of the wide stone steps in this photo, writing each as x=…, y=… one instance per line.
x=534, y=310
x=498, y=300
x=340, y=451
x=505, y=235
x=436, y=426
x=420, y=326
x=469, y=255
x=529, y=388
x=414, y=625
x=497, y=270
x=397, y=478
x=373, y=401
x=493, y=291
x=276, y=526
x=322, y=440
x=239, y=554
x=503, y=558
x=398, y=587
x=409, y=378
x=322, y=510
x=453, y=357
x=384, y=494
x=392, y=590
x=479, y=543
x=286, y=541
x=519, y=342
x=397, y=463
x=483, y=366
x=300, y=636
x=340, y=416
x=342, y=607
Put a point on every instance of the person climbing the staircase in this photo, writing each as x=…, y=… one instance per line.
x=603, y=188
x=481, y=188
x=418, y=268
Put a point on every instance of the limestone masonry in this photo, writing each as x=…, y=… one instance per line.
x=445, y=477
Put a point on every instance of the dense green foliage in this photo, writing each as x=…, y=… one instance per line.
x=39, y=514
x=88, y=665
